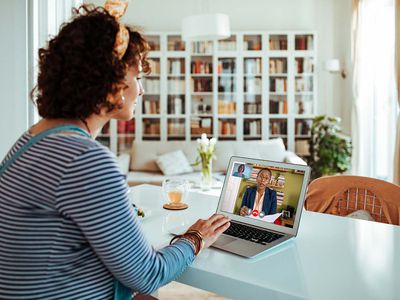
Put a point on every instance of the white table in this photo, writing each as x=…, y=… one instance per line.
x=331, y=258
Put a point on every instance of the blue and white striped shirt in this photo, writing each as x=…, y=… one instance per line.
x=67, y=228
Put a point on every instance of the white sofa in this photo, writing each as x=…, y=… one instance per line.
x=143, y=168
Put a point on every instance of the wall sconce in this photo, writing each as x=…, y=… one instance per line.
x=333, y=66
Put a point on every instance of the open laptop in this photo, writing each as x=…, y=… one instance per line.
x=261, y=220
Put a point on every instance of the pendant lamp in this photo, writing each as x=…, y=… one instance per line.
x=205, y=27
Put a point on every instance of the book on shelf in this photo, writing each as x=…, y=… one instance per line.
x=201, y=125
x=226, y=66
x=278, y=85
x=304, y=42
x=226, y=85
x=278, y=106
x=176, y=66
x=125, y=127
x=203, y=47
x=278, y=127
x=252, y=127
x=252, y=108
x=176, y=86
x=151, y=128
x=278, y=43
x=201, y=85
x=253, y=85
x=227, y=45
x=277, y=65
x=155, y=66
x=201, y=67
x=304, y=107
x=302, y=127
x=226, y=107
x=151, y=85
x=151, y=107
x=227, y=128
x=252, y=66
x=279, y=198
x=176, y=128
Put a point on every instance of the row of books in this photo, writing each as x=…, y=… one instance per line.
x=227, y=45
x=201, y=85
x=277, y=65
x=227, y=127
x=176, y=86
x=252, y=85
x=252, y=44
x=279, y=198
x=226, y=66
x=252, y=66
x=126, y=126
x=278, y=127
x=226, y=84
x=176, y=128
x=278, y=85
x=304, y=65
x=154, y=66
x=151, y=85
x=252, y=127
x=200, y=125
x=302, y=127
x=278, y=107
x=201, y=67
x=150, y=127
x=304, y=42
x=252, y=108
x=176, y=66
x=176, y=106
x=204, y=47
x=151, y=107
x=303, y=84
x=226, y=107
x=278, y=43
x=175, y=44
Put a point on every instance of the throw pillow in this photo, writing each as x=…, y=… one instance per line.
x=173, y=163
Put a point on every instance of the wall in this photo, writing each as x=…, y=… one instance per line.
x=13, y=72
x=331, y=19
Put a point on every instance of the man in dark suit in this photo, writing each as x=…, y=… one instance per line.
x=260, y=197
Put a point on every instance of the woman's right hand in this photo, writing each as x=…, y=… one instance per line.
x=212, y=228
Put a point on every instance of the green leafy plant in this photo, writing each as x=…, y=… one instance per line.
x=330, y=150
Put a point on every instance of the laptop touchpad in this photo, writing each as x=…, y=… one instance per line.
x=224, y=240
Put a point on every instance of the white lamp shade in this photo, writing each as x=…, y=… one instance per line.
x=332, y=65
x=205, y=27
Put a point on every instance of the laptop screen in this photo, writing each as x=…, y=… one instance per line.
x=267, y=192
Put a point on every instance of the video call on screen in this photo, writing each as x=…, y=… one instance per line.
x=264, y=193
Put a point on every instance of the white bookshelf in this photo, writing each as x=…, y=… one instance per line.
x=252, y=86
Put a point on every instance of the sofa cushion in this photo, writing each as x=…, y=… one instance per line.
x=173, y=163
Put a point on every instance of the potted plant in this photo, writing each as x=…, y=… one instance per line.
x=330, y=150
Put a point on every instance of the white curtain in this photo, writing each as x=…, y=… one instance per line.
x=396, y=176
x=375, y=105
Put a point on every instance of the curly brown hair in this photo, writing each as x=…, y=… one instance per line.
x=79, y=67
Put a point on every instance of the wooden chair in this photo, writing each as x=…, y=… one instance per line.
x=342, y=195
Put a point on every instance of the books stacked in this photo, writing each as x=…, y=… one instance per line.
x=176, y=86
x=304, y=65
x=202, y=47
x=278, y=43
x=279, y=198
x=252, y=127
x=278, y=106
x=200, y=125
x=152, y=85
x=252, y=108
x=278, y=85
x=277, y=65
x=201, y=85
x=151, y=107
x=226, y=66
x=252, y=66
x=151, y=128
x=303, y=84
x=176, y=106
x=176, y=66
x=126, y=127
x=304, y=42
x=227, y=128
x=201, y=67
x=252, y=85
x=278, y=127
x=176, y=128
x=226, y=107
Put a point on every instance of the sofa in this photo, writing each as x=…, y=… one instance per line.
x=143, y=167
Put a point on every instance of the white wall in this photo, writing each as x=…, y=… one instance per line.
x=330, y=18
x=13, y=72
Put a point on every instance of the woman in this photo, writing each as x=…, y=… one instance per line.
x=67, y=228
x=240, y=170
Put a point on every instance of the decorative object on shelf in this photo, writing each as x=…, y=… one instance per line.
x=333, y=66
x=330, y=150
x=206, y=150
x=205, y=26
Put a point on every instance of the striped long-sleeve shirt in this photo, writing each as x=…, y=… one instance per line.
x=67, y=228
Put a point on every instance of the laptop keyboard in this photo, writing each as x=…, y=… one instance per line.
x=252, y=234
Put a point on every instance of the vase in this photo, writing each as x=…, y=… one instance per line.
x=206, y=175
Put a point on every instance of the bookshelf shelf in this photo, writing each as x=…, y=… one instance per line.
x=251, y=86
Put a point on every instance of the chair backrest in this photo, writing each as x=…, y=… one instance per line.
x=342, y=195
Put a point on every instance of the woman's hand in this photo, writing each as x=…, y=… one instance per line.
x=212, y=228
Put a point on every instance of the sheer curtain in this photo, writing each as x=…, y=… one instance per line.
x=374, y=86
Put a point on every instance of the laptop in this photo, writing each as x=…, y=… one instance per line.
x=264, y=200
